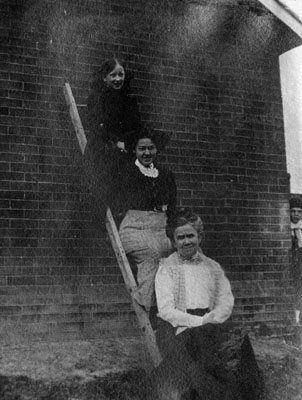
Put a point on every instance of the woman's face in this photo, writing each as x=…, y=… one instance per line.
x=145, y=151
x=186, y=241
x=116, y=77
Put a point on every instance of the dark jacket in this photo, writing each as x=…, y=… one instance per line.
x=113, y=115
x=134, y=191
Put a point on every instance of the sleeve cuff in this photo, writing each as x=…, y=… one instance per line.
x=195, y=321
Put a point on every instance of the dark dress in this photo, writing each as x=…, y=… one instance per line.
x=209, y=362
x=112, y=116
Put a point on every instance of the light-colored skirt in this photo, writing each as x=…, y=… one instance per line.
x=143, y=235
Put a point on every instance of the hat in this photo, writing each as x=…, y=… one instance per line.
x=295, y=202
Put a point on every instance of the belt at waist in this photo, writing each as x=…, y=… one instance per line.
x=158, y=208
x=198, y=311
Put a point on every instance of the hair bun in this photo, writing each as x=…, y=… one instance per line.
x=181, y=217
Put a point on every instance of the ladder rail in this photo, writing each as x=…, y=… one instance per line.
x=130, y=282
x=75, y=117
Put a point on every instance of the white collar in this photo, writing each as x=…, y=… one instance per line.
x=151, y=171
x=298, y=225
x=196, y=259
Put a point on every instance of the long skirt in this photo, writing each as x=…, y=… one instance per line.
x=208, y=362
x=102, y=170
x=145, y=242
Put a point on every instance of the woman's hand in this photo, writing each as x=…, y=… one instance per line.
x=209, y=318
x=121, y=145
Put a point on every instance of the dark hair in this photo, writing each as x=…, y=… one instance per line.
x=295, y=202
x=183, y=217
x=108, y=66
x=158, y=138
x=98, y=83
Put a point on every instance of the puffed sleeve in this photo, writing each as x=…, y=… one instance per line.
x=224, y=299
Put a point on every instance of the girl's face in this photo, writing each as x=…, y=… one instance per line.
x=116, y=78
x=295, y=214
x=145, y=151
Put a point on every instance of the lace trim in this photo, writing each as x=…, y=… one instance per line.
x=151, y=171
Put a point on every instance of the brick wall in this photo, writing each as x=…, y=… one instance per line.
x=207, y=75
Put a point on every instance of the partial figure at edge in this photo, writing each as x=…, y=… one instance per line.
x=295, y=205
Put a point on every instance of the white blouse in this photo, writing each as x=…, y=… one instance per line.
x=198, y=280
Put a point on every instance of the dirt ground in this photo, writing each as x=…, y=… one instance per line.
x=113, y=368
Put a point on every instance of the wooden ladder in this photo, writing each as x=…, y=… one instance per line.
x=120, y=254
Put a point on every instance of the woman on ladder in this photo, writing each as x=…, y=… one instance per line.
x=113, y=119
x=148, y=196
